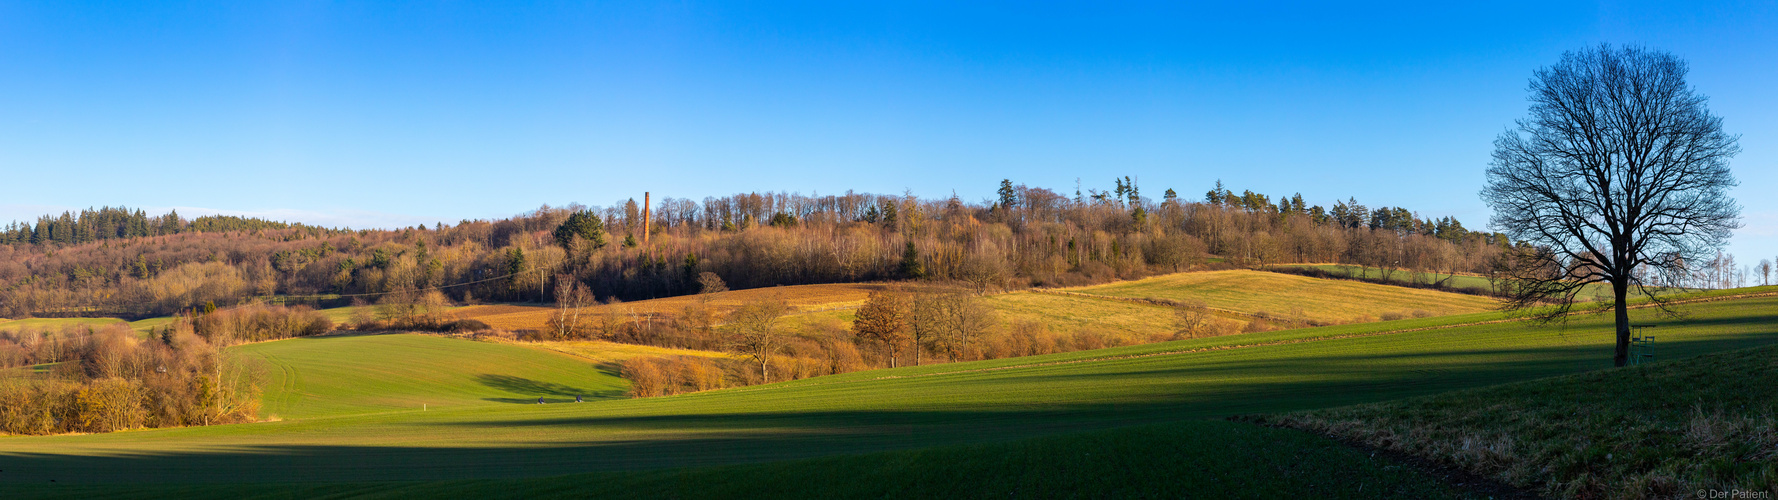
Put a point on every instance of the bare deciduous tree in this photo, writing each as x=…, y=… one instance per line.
x=1191, y=318
x=1619, y=166
x=755, y=331
x=572, y=297
x=709, y=282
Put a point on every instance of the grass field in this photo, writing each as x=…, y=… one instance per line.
x=1459, y=281
x=1291, y=296
x=144, y=326
x=962, y=404
x=55, y=323
x=1197, y=458
x=1063, y=313
x=1664, y=429
x=358, y=374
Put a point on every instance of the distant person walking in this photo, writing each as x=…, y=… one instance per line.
x=540, y=400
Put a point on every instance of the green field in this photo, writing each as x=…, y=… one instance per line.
x=999, y=401
x=358, y=374
x=1665, y=428
x=1293, y=297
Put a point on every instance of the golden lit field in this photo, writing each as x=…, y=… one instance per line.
x=601, y=352
x=142, y=326
x=1067, y=314
x=801, y=297
x=1098, y=308
x=1294, y=297
x=54, y=323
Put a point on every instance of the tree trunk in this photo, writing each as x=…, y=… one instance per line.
x=764, y=376
x=1620, y=288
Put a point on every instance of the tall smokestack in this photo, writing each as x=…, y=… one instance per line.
x=647, y=216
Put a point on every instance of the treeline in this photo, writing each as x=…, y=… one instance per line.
x=109, y=223
x=1027, y=236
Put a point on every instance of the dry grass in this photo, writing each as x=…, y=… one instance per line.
x=800, y=297
x=1295, y=298
x=602, y=352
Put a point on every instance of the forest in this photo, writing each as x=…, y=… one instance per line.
x=122, y=262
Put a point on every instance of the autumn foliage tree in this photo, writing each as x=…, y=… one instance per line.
x=883, y=320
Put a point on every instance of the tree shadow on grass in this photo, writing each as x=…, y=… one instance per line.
x=549, y=392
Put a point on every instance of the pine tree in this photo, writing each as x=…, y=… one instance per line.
x=910, y=263
x=583, y=224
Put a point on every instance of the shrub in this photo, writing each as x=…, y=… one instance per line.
x=1257, y=325
x=466, y=326
x=646, y=379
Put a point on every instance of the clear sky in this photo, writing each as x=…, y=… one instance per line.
x=376, y=114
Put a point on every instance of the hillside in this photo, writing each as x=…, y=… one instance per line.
x=1294, y=297
x=1244, y=293
x=802, y=297
x=1471, y=281
x=906, y=408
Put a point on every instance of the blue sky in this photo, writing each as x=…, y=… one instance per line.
x=376, y=114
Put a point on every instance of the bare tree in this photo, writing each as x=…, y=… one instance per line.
x=755, y=331
x=1191, y=318
x=571, y=297
x=962, y=317
x=709, y=282
x=1765, y=272
x=1619, y=166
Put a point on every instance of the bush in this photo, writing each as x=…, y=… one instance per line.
x=666, y=376
x=466, y=326
x=258, y=322
x=1257, y=325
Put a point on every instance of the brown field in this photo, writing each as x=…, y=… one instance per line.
x=1236, y=294
x=1294, y=297
x=611, y=353
x=800, y=297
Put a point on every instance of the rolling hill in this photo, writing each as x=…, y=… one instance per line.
x=1293, y=297
x=962, y=404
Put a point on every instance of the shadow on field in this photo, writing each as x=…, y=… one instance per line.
x=550, y=392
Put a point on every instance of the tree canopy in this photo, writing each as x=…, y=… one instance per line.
x=1619, y=173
